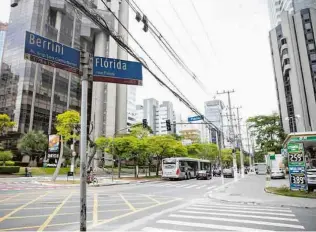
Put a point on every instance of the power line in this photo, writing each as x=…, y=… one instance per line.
x=156, y=33
x=99, y=21
x=204, y=28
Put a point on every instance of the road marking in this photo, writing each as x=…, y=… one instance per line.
x=182, y=186
x=133, y=212
x=127, y=203
x=242, y=211
x=239, y=221
x=261, y=207
x=149, y=197
x=211, y=187
x=239, y=215
x=9, y=198
x=151, y=229
x=243, y=207
x=201, y=186
x=52, y=215
x=95, y=208
x=21, y=207
x=191, y=186
x=210, y=226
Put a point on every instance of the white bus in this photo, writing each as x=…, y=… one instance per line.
x=184, y=168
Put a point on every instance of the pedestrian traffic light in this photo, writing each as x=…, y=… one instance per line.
x=145, y=123
x=168, y=125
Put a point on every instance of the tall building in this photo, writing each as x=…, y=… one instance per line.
x=213, y=112
x=150, y=107
x=139, y=114
x=3, y=30
x=165, y=112
x=293, y=51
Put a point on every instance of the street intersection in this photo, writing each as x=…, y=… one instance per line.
x=153, y=206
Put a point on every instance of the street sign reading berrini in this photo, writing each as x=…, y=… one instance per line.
x=48, y=52
x=117, y=71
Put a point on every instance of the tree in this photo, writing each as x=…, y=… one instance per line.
x=66, y=123
x=207, y=151
x=5, y=156
x=5, y=123
x=268, y=131
x=165, y=146
x=227, y=157
x=33, y=144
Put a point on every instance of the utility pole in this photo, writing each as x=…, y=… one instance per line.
x=248, y=141
x=85, y=63
x=232, y=130
x=242, y=168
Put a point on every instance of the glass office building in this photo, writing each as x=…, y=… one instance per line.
x=18, y=74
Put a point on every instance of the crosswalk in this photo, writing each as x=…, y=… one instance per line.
x=217, y=216
x=183, y=184
x=29, y=185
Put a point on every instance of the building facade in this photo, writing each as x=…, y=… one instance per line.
x=3, y=31
x=150, y=107
x=165, y=112
x=293, y=51
x=139, y=114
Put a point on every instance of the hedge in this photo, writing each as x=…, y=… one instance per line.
x=8, y=163
x=9, y=170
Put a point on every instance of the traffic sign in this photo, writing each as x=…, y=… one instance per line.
x=117, y=71
x=48, y=52
x=195, y=118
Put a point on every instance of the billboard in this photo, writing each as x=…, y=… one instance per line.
x=48, y=52
x=117, y=71
x=53, y=152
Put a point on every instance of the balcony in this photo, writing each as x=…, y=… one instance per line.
x=283, y=46
x=284, y=57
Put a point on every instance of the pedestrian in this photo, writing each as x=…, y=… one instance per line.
x=26, y=172
x=30, y=172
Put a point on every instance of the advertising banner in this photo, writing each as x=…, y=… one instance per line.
x=54, y=146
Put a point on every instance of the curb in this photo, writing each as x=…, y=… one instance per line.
x=108, y=184
x=261, y=203
x=58, y=185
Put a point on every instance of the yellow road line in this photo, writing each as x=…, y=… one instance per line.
x=149, y=197
x=52, y=215
x=133, y=212
x=127, y=203
x=21, y=228
x=51, y=225
x=21, y=207
x=95, y=208
x=62, y=214
x=9, y=198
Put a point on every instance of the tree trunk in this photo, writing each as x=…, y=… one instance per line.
x=158, y=165
x=119, y=168
x=148, y=168
x=59, y=160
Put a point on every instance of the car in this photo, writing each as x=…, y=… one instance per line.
x=277, y=173
x=311, y=179
x=203, y=174
x=228, y=172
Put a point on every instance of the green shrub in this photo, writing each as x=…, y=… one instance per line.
x=8, y=163
x=9, y=170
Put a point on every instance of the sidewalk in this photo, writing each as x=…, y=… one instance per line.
x=251, y=190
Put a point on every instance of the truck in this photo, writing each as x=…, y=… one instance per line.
x=261, y=168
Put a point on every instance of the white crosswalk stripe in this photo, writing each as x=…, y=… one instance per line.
x=184, y=184
x=225, y=216
x=191, y=186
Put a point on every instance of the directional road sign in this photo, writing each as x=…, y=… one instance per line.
x=48, y=52
x=195, y=118
x=117, y=71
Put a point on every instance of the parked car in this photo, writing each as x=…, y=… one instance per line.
x=228, y=172
x=311, y=179
x=204, y=174
x=217, y=172
x=277, y=173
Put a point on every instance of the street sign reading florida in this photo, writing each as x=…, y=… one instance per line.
x=48, y=52
x=117, y=71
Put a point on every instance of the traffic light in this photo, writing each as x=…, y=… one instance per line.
x=145, y=123
x=168, y=125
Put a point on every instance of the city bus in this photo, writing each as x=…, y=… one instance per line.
x=184, y=168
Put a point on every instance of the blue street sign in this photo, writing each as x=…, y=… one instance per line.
x=195, y=118
x=117, y=71
x=48, y=52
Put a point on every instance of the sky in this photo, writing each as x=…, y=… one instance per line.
x=235, y=57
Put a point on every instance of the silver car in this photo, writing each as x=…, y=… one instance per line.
x=277, y=173
x=311, y=179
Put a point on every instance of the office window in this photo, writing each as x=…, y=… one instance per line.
x=313, y=57
x=311, y=46
x=308, y=26
x=309, y=36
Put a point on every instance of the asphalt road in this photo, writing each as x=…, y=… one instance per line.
x=153, y=206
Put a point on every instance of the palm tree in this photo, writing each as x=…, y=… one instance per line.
x=34, y=144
